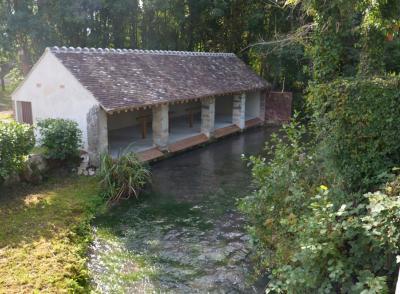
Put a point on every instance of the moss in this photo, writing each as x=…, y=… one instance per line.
x=45, y=234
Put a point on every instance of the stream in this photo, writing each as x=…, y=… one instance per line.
x=185, y=235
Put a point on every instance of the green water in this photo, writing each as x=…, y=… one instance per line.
x=185, y=235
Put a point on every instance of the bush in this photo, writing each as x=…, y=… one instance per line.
x=358, y=125
x=122, y=178
x=16, y=141
x=61, y=138
x=311, y=235
x=349, y=249
x=282, y=196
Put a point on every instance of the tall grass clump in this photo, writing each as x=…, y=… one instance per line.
x=122, y=178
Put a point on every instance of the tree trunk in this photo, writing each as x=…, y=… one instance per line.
x=24, y=61
x=3, y=84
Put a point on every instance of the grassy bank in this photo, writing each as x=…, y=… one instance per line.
x=44, y=235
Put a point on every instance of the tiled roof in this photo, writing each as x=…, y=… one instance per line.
x=121, y=79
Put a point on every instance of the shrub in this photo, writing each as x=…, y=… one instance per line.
x=284, y=183
x=312, y=236
x=358, y=125
x=123, y=178
x=61, y=138
x=350, y=249
x=16, y=141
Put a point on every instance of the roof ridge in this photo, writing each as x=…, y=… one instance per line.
x=134, y=51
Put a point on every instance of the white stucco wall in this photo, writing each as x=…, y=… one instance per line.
x=55, y=93
x=252, y=107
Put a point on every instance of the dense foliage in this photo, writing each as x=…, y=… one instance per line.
x=358, y=127
x=122, y=178
x=61, y=138
x=314, y=235
x=16, y=141
x=317, y=220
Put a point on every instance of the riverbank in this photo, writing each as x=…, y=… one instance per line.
x=45, y=233
x=185, y=234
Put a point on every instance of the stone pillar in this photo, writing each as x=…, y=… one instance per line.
x=97, y=134
x=160, y=126
x=207, y=116
x=239, y=110
x=263, y=97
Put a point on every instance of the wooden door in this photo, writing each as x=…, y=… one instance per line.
x=26, y=112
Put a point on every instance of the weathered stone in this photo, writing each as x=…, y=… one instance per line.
x=239, y=108
x=26, y=173
x=97, y=134
x=84, y=165
x=160, y=126
x=207, y=116
x=12, y=179
x=39, y=161
x=31, y=174
x=263, y=97
x=231, y=235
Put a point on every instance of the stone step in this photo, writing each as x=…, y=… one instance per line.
x=253, y=122
x=222, y=132
x=187, y=143
x=149, y=155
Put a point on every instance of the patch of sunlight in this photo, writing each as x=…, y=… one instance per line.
x=6, y=116
x=34, y=199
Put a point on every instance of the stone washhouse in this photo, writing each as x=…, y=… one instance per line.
x=143, y=101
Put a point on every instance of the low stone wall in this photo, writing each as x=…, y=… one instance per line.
x=278, y=107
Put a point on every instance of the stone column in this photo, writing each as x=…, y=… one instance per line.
x=207, y=116
x=239, y=108
x=103, y=132
x=263, y=97
x=160, y=126
x=97, y=134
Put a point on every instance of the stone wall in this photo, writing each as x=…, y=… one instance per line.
x=278, y=107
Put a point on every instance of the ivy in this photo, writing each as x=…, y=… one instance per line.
x=357, y=123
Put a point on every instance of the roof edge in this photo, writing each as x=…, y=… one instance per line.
x=131, y=107
x=87, y=50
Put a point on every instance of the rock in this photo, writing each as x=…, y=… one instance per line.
x=31, y=174
x=27, y=173
x=85, y=158
x=12, y=180
x=213, y=254
x=83, y=168
x=232, y=235
x=39, y=162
